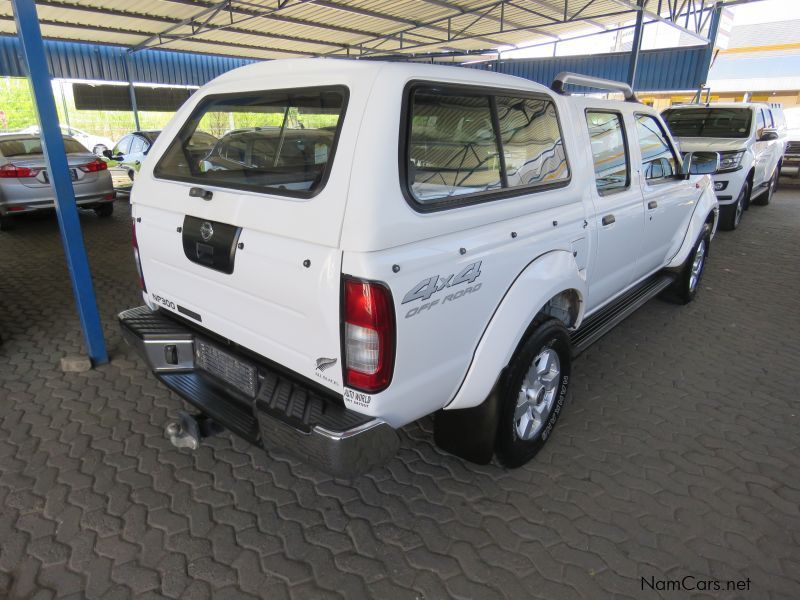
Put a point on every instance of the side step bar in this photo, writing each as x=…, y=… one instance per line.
x=617, y=311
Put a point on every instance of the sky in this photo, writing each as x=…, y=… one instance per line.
x=659, y=35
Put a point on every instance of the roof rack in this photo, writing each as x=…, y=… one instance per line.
x=567, y=78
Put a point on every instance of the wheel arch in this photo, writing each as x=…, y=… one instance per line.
x=553, y=278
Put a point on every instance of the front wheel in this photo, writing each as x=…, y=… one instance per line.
x=766, y=197
x=533, y=393
x=685, y=287
x=730, y=215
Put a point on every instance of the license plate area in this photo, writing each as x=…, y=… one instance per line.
x=225, y=366
x=73, y=174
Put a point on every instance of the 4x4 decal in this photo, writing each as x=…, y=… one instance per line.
x=428, y=287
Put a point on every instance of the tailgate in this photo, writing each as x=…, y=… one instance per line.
x=238, y=213
x=248, y=286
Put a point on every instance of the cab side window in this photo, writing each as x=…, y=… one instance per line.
x=659, y=162
x=768, y=118
x=609, y=151
x=531, y=140
x=452, y=148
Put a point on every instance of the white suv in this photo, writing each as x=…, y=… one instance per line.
x=369, y=243
x=750, y=138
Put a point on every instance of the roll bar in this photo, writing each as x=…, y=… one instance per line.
x=567, y=78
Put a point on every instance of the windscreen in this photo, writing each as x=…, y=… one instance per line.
x=33, y=146
x=709, y=122
x=278, y=141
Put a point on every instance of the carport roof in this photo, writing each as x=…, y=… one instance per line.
x=264, y=29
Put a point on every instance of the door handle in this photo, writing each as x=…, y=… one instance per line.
x=608, y=219
x=652, y=204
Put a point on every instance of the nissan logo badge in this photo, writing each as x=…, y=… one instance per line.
x=206, y=231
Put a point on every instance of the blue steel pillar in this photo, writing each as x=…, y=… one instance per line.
x=637, y=44
x=705, y=64
x=30, y=37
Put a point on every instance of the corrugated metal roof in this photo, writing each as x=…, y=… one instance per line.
x=671, y=69
x=71, y=60
x=263, y=29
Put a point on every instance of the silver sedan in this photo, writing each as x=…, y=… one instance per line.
x=25, y=186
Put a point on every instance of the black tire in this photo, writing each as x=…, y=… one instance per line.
x=105, y=210
x=685, y=287
x=730, y=215
x=547, y=339
x=6, y=223
x=766, y=197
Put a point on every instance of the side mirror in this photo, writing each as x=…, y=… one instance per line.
x=701, y=163
x=768, y=134
x=108, y=155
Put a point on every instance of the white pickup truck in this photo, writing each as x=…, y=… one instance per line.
x=750, y=138
x=369, y=243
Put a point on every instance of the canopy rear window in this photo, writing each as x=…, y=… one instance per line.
x=281, y=142
x=33, y=147
x=709, y=122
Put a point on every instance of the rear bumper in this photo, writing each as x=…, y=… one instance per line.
x=23, y=206
x=284, y=412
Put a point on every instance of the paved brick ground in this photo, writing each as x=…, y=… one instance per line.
x=678, y=455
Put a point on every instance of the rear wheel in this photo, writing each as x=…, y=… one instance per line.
x=105, y=210
x=5, y=223
x=533, y=393
x=730, y=215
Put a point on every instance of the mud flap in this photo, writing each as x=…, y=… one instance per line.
x=469, y=433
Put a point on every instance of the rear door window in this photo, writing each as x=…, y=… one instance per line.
x=659, y=162
x=609, y=151
x=280, y=142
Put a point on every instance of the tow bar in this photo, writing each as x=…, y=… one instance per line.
x=188, y=430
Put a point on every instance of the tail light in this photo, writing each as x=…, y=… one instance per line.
x=138, y=258
x=9, y=170
x=94, y=166
x=369, y=335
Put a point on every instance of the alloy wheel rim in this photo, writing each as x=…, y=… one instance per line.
x=537, y=394
x=697, y=265
x=739, y=209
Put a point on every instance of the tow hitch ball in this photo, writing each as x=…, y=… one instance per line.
x=188, y=430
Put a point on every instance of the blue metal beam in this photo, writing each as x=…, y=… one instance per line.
x=30, y=37
x=636, y=48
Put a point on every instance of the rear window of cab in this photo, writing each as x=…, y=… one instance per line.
x=463, y=145
x=279, y=141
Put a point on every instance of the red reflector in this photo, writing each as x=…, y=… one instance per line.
x=94, y=166
x=17, y=208
x=10, y=170
x=110, y=196
x=369, y=335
